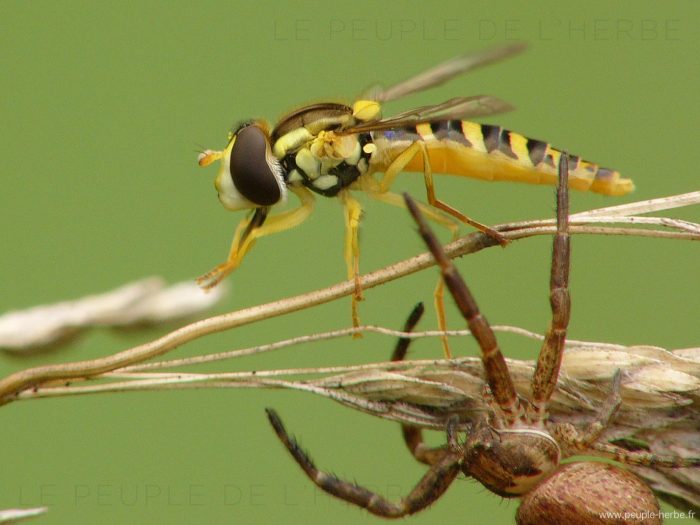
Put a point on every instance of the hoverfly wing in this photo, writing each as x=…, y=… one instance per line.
x=460, y=108
x=444, y=72
x=457, y=108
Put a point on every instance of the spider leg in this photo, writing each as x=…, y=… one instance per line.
x=573, y=440
x=495, y=368
x=546, y=373
x=642, y=458
x=401, y=348
x=607, y=412
x=431, y=486
x=413, y=435
x=576, y=441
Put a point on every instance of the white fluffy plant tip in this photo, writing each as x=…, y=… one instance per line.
x=146, y=302
x=17, y=515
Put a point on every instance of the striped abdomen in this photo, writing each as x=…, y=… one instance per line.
x=460, y=147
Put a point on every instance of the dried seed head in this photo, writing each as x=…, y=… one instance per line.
x=590, y=493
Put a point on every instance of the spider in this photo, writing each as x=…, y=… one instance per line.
x=514, y=450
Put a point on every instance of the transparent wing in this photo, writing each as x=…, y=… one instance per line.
x=444, y=72
x=456, y=108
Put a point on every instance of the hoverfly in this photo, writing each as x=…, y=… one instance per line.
x=332, y=149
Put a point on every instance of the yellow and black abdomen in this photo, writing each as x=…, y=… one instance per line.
x=481, y=151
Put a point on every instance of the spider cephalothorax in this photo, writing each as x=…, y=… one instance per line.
x=515, y=450
x=509, y=462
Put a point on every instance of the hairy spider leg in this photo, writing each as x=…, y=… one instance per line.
x=413, y=435
x=549, y=359
x=430, y=487
x=495, y=368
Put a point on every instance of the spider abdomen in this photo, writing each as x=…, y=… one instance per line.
x=590, y=493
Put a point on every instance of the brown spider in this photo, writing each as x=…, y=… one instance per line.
x=515, y=451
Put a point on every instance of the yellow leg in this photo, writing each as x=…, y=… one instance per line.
x=353, y=212
x=407, y=156
x=394, y=199
x=390, y=174
x=439, y=302
x=438, y=296
x=249, y=230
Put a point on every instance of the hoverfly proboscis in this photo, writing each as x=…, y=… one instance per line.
x=332, y=149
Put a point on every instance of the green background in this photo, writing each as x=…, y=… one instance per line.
x=103, y=106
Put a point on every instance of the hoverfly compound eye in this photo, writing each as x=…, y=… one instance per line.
x=254, y=170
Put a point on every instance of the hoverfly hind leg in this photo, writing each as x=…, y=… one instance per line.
x=439, y=301
x=404, y=159
x=390, y=174
x=434, y=215
x=353, y=214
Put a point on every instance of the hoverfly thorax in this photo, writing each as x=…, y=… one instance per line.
x=250, y=175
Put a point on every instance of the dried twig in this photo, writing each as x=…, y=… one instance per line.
x=144, y=302
x=17, y=515
x=12, y=385
x=660, y=391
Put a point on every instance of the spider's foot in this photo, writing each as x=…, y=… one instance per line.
x=497, y=236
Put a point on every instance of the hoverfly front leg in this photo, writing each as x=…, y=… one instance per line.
x=254, y=227
x=243, y=240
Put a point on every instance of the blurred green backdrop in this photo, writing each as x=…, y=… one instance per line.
x=103, y=106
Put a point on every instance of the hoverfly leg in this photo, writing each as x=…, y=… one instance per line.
x=397, y=166
x=404, y=159
x=394, y=199
x=353, y=213
x=439, y=302
x=437, y=203
x=258, y=225
x=243, y=240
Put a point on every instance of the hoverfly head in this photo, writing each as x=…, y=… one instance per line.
x=250, y=175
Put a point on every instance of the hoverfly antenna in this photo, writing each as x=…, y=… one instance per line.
x=208, y=156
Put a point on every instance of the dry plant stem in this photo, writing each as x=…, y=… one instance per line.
x=15, y=383
x=29, y=378
x=649, y=206
x=143, y=377
x=17, y=515
x=324, y=336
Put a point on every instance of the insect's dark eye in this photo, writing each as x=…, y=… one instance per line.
x=252, y=167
